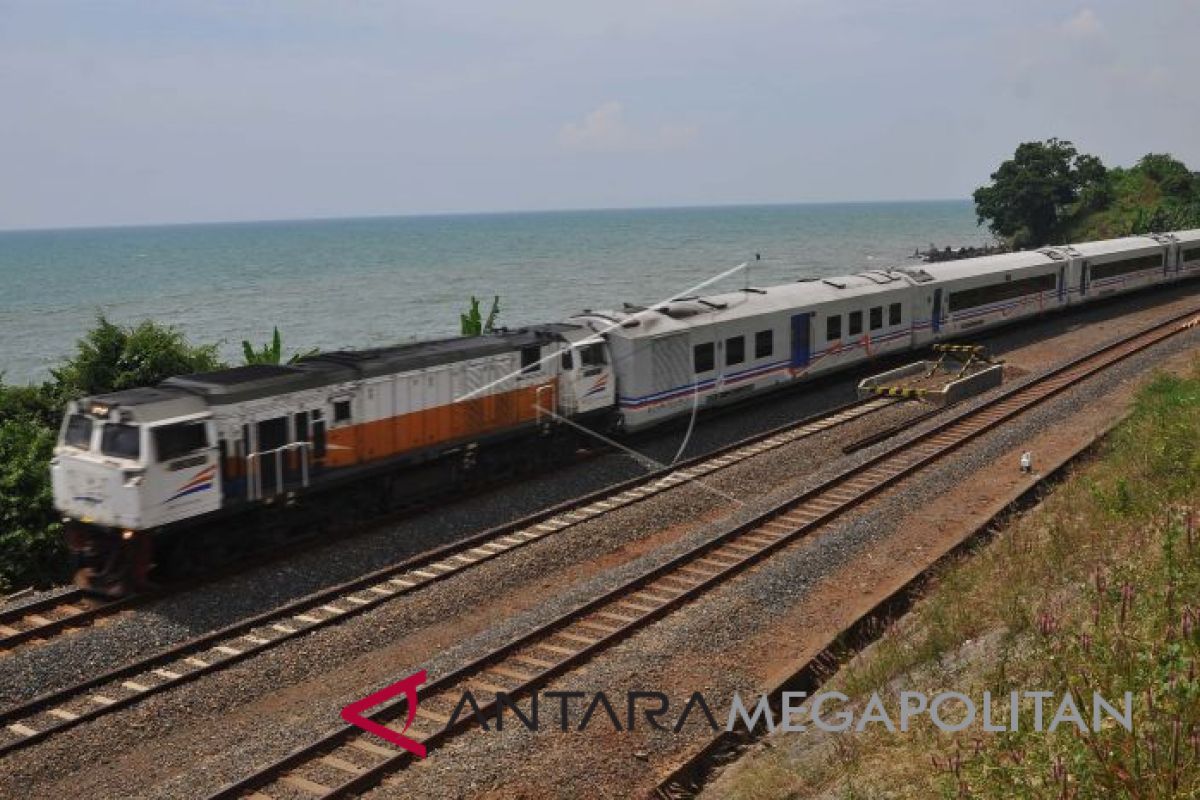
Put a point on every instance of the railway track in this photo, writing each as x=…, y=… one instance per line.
x=57, y=711
x=47, y=618
x=347, y=761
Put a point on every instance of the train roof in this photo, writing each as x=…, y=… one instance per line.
x=142, y=405
x=1116, y=246
x=971, y=267
x=684, y=313
x=417, y=355
x=255, y=381
x=1188, y=236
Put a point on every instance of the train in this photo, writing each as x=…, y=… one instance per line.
x=203, y=463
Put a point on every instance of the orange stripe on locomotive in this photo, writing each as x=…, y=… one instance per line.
x=445, y=424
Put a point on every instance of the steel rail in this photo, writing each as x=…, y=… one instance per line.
x=531, y=660
x=56, y=711
x=50, y=616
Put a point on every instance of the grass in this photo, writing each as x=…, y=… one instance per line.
x=1096, y=590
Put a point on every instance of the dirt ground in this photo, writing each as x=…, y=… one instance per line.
x=152, y=736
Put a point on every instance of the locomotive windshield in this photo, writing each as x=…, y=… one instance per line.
x=78, y=432
x=120, y=441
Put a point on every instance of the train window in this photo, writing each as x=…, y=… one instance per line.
x=764, y=344
x=833, y=328
x=318, y=438
x=1191, y=254
x=173, y=441
x=895, y=314
x=121, y=441
x=702, y=357
x=531, y=359
x=272, y=434
x=1125, y=266
x=996, y=292
x=876, y=318
x=78, y=432
x=341, y=411
x=301, y=424
x=566, y=360
x=592, y=355
x=855, y=326
x=735, y=350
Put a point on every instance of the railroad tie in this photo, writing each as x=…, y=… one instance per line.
x=586, y=641
x=360, y=743
x=533, y=661
x=430, y=714
x=343, y=765
x=305, y=785
x=598, y=626
x=553, y=648
x=508, y=672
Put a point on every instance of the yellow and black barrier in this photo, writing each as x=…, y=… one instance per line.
x=899, y=391
x=977, y=350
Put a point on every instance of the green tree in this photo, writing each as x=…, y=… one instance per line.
x=111, y=357
x=1175, y=181
x=31, y=549
x=271, y=352
x=1033, y=193
x=108, y=358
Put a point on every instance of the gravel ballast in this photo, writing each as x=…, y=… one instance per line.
x=196, y=727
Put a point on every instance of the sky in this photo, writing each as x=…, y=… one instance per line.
x=163, y=111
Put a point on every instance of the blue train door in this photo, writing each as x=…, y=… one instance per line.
x=800, y=341
x=936, y=321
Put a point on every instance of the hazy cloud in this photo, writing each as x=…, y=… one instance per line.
x=1083, y=25
x=606, y=130
x=142, y=111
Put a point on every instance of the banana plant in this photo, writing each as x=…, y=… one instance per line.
x=271, y=352
x=473, y=323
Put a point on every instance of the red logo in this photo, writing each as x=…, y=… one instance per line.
x=353, y=713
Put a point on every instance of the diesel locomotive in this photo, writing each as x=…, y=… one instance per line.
x=172, y=473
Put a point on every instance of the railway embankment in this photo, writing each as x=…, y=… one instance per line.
x=196, y=738
x=1094, y=590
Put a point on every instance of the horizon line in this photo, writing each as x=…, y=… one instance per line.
x=492, y=213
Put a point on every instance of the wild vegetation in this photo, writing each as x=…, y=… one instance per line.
x=1097, y=590
x=474, y=323
x=271, y=352
x=109, y=358
x=1049, y=193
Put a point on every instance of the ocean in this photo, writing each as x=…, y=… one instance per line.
x=342, y=283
